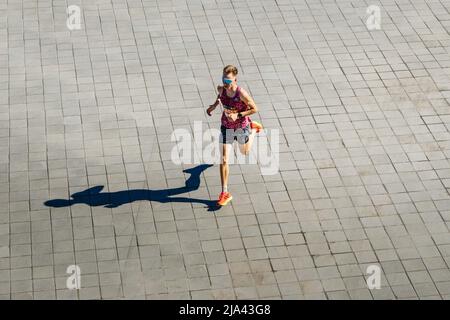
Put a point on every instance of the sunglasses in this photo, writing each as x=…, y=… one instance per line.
x=227, y=81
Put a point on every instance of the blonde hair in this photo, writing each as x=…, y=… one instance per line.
x=230, y=69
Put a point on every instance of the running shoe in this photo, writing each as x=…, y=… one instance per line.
x=224, y=198
x=256, y=125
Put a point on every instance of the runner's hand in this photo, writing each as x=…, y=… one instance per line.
x=210, y=109
x=233, y=116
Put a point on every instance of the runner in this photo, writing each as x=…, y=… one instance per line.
x=238, y=105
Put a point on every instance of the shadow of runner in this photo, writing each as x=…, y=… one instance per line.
x=93, y=196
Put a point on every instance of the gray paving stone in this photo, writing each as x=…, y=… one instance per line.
x=364, y=174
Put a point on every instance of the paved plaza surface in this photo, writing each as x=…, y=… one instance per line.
x=87, y=177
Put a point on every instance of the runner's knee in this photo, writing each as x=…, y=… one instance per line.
x=244, y=150
x=225, y=160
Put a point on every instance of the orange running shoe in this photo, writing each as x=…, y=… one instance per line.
x=256, y=125
x=224, y=198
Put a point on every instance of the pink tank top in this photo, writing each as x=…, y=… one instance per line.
x=236, y=104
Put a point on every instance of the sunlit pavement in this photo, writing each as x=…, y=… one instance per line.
x=88, y=185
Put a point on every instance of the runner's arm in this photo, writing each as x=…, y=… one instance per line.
x=219, y=89
x=251, y=105
x=214, y=105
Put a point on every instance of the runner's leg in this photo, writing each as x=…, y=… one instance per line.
x=245, y=148
x=224, y=169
